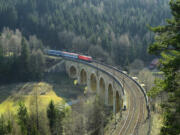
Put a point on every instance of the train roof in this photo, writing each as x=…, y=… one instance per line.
x=85, y=56
x=69, y=53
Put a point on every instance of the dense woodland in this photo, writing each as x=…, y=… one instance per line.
x=115, y=31
x=167, y=46
x=101, y=28
x=20, y=59
x=89, y=117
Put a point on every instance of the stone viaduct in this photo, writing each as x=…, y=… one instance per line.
x=97, y=81
x=105, y=81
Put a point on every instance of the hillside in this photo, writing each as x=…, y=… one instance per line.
x=114, y=32
x=55, y=86
x=27, y=93
x=101, y=28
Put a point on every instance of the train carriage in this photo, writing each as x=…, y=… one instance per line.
x=69, y=55
x=52, y=52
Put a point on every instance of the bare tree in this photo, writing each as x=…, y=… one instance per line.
x=136, y=66
x=147, y=78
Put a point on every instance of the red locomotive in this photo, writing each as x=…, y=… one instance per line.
x=85, y=58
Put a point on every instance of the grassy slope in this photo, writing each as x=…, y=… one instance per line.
x=156, y=117
x=27, y=92
x=56, y=86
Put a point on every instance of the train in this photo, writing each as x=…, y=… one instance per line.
x=69, y=55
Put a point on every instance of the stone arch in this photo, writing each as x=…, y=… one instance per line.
x=117, y=102
x=83, y=77
x=93, y=82
x=102, y=87
x=110, y=94
x=72, y=72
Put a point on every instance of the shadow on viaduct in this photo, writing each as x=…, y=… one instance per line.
x=97, y=81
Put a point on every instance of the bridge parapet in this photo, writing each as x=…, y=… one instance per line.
x=98, y=81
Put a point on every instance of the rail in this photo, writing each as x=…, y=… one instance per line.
x=86, y=63
x=115, y=79
x=142, y=89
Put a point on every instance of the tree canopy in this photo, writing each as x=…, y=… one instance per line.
x=78, y=25
x=167, y=45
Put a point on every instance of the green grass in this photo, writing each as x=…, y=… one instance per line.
x=157, y=123
x=55, y=86
x=158, y=73
x=27, y=93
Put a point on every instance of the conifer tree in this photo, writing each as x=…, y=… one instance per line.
x=23, y=118
x=51, y=114
x=25, y=60
x=167, y=46
x=5, y=126
x=2, y=126
x=55, y=117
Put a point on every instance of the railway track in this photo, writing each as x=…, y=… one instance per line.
x=131, y=113
x=137, y=110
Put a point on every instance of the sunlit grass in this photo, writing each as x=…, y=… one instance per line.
x=157, y=123
x=27, y=94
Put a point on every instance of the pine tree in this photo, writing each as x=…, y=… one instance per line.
x=1, y=51
x=2, y=126
x=167, y=46
x=23, y=118
x=59, y=120
x=5, y=126
x=51, y=114
x=25, y=60
x=1, y=58
x=55, y=117
x=37, y=63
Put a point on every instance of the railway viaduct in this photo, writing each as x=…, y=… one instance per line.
x=97, y=81
x=117, y=88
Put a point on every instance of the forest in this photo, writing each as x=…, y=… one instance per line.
x=118, y=32
x=56, y=120
x=167, y=46
x=21, y=60
x=100, y=28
